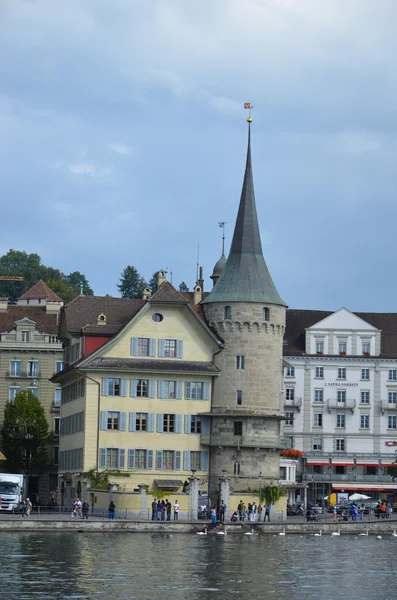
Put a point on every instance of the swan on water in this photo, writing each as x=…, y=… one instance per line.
x=202, y=532
x=221, y=532
x=317, y=534
x=336, y=532
x=282, y=532
x=394, y=534
x=366, y=532
x=250, y=532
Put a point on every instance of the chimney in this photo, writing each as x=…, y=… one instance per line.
x=3, y=304
x=201, y=280
x=160, y=277
x=146, y=294
x=198, y=293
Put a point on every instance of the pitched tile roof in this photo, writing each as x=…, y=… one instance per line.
x=299, y=320
x=167, y=293
x=40, y=291
x=142, y=364
x=45, y=322
x=84, y=310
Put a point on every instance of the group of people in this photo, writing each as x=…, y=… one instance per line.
x=251, y=512
x=80, y=509
x=161, y=510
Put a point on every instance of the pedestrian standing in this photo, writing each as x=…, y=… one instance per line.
x=23, y=509
x=253, y=512
x=334, y=512
x=158, y=510
x=112, y=510
x=267, y=512
x=361, y=511
x=213, y=515
x=259, y=512
x=249, y=511
x=154, y=509
x=168, y=509
x=84, y=510
x=222, y=512
x=176, y=510
x=240, y=510
x=389, y=510
x=28, y=507
x=162, y=510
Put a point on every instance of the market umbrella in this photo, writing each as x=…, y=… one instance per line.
x=359, y=497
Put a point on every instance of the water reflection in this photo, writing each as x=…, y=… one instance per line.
x=122, y=566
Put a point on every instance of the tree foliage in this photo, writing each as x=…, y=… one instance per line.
x=131, y=283
x=183, y=287
x=29, y=266
x=100, y=480
x=25, y=434
x=153, y=283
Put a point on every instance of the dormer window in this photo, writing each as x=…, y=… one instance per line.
x=227, y=313
x=25, y=335
x=101, y=319
x=366, y=348
x=266, y=314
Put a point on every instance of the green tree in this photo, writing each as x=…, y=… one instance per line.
x=76, y=278
x=153, y=283
x=17, y=262
x=131, y=284
x=183, y=287
x=63, y=290
x=25, y=434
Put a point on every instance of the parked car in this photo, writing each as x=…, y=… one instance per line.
x=369, y=507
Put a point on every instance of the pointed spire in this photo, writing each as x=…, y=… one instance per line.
x=245, y=277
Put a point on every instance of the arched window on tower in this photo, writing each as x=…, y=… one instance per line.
x=266, y=314
x=227, y=313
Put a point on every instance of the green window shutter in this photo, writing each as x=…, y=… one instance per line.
x=152, y=388
x=102, y=458
x=188, y=391
x=133, y=387
x=123, y=421
x=206, y=391
x=160, y=389
x=123, y=387
x=132, y=421
x=177, y=460
x=178, y=393
x=178, y=423
x=150, y=422
x=186, y=460
x=160, y=423
x=131, y=459
x=121, y=458
x=161, y=348
x=149, y=464
x=179, y=349
x=152, y=347
x=134, y=346
x=204, y=460
x=159, y=460
x=188, y=420
x=105, y=386
x=205, y=425
x=104, y=420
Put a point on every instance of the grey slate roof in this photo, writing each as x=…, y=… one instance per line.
x=245, y=277
x=142, y=364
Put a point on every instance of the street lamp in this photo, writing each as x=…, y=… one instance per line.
x=260, y=487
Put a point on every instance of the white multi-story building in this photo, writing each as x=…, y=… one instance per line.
x=340, y=399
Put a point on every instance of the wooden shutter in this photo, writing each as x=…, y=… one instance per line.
x=160, y=389
x=186, y=460
x=206, y=395
x=123, y=421
x=134, y=346
x=188, y=421
x=160, y=423
x=132, y=421
x=188, y=390
x=179, y=348
x=105, y=386
x=152, y=347
x=133, y=387
x=102, y=458
x=104, y=420
x=131, y=459
x=161, y=348
x=152, y=388
x=150, y=422
x=204, y=460
x=159, y=460
x=121, y=458
x=205, y=425
x=123, y=387
x=178, y=423
x=149, y=463
x=177, y=460
x=178, y=393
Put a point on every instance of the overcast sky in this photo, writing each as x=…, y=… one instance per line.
x=123, y=139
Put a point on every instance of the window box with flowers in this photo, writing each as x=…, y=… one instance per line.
x=342, y=353
x=367, y=353
x=291, y=453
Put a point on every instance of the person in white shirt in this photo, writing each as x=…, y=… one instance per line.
x=176, y=510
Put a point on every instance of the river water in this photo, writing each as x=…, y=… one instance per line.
x=120, y=566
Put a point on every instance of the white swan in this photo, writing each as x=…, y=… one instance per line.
x=221, y=532
x=282, y=532
x=366, y=532
x=317, y=534
x=336, y=532
x=250, y=532
x=378, y=537
x=202, y=532
x=394, y=534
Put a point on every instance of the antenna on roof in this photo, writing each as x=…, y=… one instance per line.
x=222, y=225
x=171, y=276
x=198, y=261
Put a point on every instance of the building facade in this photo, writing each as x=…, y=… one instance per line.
x=30, y=353
x=340, y=400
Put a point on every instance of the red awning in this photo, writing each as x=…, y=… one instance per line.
x=366, y=464
x=342, y=463
x=321, y=463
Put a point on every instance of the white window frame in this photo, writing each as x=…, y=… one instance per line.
x=392, y=374
x=341, y=442
x=319, y=373
x=364, y=421
x=392, y=422
x=392, y=397
x=319, y=392
x=289, y=417
x=319, y=418
x=365, y=374
x=341, y=421
x=364, y=394
x=342, y=373
x=290, y=394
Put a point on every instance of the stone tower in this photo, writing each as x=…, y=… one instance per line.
x=246, y=310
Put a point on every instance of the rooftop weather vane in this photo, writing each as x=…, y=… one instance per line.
x=248, y=106
x=222, y=225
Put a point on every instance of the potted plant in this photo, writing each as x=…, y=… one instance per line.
x=367, y=354
x=342, y=353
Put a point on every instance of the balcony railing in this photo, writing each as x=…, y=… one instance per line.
x=386, y=405
x=347, y=477
x=243, y=441
x=348, y=404
x=294, y=403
